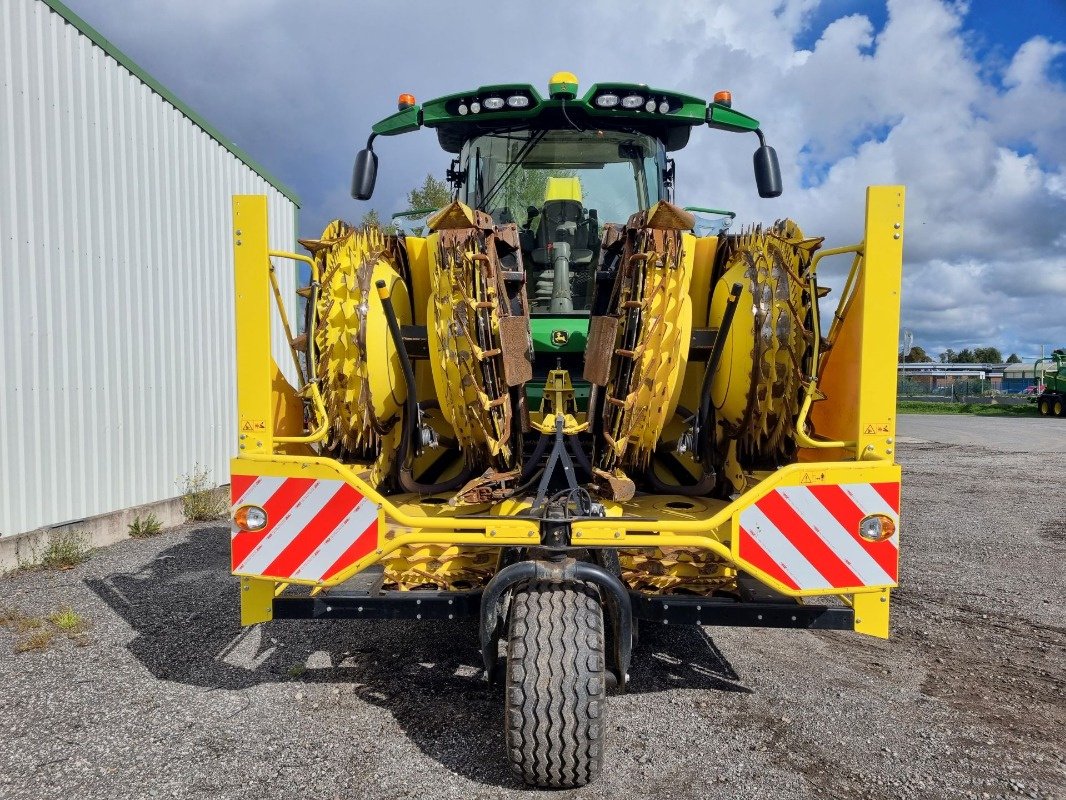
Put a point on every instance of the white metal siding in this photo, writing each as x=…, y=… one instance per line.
x=116, y=281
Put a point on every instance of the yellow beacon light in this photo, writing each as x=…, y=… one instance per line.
x=563, y=85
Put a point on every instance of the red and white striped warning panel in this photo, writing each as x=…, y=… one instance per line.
x=807, y=537
x=314, y=529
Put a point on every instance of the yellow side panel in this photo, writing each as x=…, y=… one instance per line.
x=837, y=416
x=700, y=288
x=288, y=415
x=700, y=294
x=858, y=374
x=287, y=405
x=418, y=259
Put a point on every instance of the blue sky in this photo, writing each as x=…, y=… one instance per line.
x=963, y=102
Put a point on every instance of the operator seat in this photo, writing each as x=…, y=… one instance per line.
x=563, y=219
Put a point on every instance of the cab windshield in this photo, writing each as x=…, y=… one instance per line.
x=560, y=187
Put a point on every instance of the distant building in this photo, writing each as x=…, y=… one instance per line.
x=934, y=376
x=1018, y=377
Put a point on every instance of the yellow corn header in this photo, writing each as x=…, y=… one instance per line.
x=603, y=414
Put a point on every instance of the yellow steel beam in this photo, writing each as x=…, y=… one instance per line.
x=878, y=303
x=255, y=423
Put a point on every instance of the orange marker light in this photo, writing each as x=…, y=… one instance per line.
x=724, y=98
x=877, y=527
x=405, y=101
x=250, y=518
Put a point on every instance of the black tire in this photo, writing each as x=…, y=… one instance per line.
x=556, y=692
x=1057, y=407
x=1045, y=407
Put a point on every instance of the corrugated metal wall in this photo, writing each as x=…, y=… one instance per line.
x=116, y=281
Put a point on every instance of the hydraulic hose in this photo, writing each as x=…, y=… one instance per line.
x=309, y=331
x=701, y=422
x=704, y=413
x=700, y=488
x=410, y=419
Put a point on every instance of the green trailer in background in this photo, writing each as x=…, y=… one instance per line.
x=1052, y=400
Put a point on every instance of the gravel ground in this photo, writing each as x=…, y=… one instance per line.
x=166, y=696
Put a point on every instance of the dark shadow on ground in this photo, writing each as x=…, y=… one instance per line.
x=184, y=609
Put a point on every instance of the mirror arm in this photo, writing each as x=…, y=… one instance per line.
x=762, y=139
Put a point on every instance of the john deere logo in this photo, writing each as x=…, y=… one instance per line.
x=559, y=338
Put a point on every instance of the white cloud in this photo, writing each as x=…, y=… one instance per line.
x=981, y=147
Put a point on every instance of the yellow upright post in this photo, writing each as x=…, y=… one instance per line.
x=255, y=425
x=879, y=295
x=257, y=601
x=871, y=613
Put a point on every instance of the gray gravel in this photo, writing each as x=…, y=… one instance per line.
x=169, y=697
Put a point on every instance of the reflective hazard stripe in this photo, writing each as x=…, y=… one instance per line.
x=807, y=538
x=315, y=528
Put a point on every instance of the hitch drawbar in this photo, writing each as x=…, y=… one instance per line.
x=567, y=570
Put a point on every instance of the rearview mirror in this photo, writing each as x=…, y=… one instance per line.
x=365, y=174
x=767, y=172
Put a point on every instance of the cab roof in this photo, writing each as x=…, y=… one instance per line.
x=667, y=115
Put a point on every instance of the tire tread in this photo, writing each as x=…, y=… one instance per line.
x=555, y=688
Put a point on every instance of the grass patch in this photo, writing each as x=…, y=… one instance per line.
x=18, y=621
x=69, y=621
x=66, y=549
x=976, y=409
x=37, y=641
x=8, y=616
x=37, y=634
x=200, y=498
x=143, y=527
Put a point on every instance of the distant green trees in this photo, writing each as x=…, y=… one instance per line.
x=370, y=219
x=974, y=355
x=977, y=355
x=433, y=193
x=917, y=355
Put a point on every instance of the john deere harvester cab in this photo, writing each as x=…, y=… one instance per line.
x=571, y=407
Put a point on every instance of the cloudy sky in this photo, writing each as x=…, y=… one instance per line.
x=965, y=103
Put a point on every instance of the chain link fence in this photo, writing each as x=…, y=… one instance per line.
x=957, y=390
